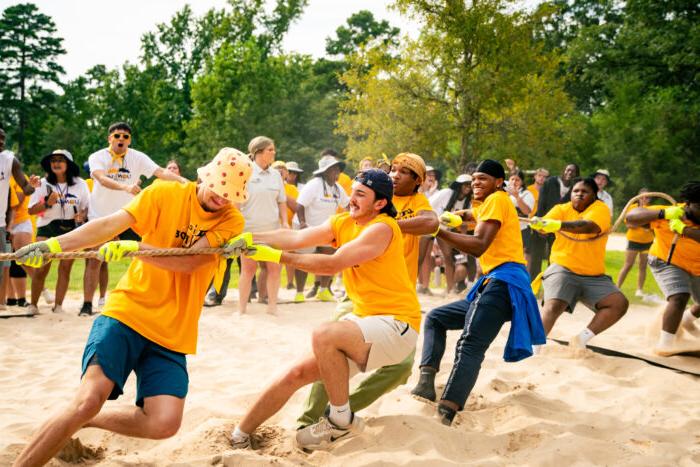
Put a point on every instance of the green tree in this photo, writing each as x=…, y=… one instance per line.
x=361, y=30
x=29, y=48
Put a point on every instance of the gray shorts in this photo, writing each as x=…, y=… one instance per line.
x=5, y=247
x=561, y=284
x=673, y=280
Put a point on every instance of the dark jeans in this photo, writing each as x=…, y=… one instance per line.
x=481, y=320
x=539, y=248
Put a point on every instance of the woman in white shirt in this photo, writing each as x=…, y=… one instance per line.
x=266, y=209
x=60, y=204
x=524, y=202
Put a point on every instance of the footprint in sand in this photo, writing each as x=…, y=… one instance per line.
x=75, y=452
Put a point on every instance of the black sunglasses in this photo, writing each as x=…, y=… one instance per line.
x=121, y=135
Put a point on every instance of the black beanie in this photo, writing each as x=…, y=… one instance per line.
x=491, y=167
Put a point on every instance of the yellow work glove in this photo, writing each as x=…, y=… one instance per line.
x=114, y=251
x=32, y=255
x=673, y=212
x=263, y=253
x=450, y=220
x=237, y=244
x=545, y=225
x=677, y=225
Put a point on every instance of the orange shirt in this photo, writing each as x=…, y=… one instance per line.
x=642, y=234
x=346, y=182
x=161, y=305
x=507, y=246
x=687, y=253
x=584, y=258
x=380, y=286
x=21, y=208
x=534, y=189
x=407, y=208
x=292, y=192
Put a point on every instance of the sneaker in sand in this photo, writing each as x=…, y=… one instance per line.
x=324, y=433
x=325, y=295
x=299, y=297
x=48, y=296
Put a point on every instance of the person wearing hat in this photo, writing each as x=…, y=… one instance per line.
x=116, y=172
x=382, y=328
x=431, y=184
x=150, y=320
x=502, y=294
x=320, y=198
x=415, y=218
x=602, y=179
x=455, y=198
x=294, y=176
x=61, y=204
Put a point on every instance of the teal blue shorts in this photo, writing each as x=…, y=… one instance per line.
x=119, y=350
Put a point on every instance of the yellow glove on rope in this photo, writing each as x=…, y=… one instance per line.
x=677, y=225
x=32, y=254
x=263, y=253
x=673, y=212
x=237, y=244
x=114, y=251
x=450, y=220
x=545, y=225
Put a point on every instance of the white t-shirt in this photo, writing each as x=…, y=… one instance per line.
x=6, y=159
x=321, y=200
x=72, y=199
x=265, y=190
x=605, y=197
x=126, y=171
x=528, y=199
x=440, y=199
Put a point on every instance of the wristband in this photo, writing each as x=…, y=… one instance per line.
x=662, y=214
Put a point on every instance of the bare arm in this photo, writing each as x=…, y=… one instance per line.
x=20, y=178
x=301, y=215
x=371, y=243
x=282, y=208
x=476, y=244
x=164, y=174
x=96, y=232
x=641, y=216
x=107, y=182
x=425, y=223
x=285, y=239
x=580, y=227
x=292, y=204
x=185, y=264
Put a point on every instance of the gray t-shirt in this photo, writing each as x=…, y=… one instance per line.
x=265, y=190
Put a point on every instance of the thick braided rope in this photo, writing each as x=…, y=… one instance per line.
x=616, y=225
x=154, y=252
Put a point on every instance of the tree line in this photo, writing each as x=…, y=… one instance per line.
x=603, y=83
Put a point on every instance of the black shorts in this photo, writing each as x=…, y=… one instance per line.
x=56, y=227
x=636, y=246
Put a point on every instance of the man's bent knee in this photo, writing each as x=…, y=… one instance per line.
x=87, y=406
x=164, y=426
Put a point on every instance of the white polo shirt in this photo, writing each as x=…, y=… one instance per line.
x=6, y=159
x=125, y=171
x=321, y=201
x=265, y=190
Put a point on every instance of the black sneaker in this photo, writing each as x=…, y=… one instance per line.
x=425, y=388
x=313, y=291
x=86, y=309
x=446, y=414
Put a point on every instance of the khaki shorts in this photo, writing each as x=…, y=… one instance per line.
x=392, y=340
x=673, y=280
x=561, y=284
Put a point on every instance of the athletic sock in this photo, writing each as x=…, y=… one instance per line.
x=239, y=436
x=341, y=415
x=586, y=335
x=666, y=339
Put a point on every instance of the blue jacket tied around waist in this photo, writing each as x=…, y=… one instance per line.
x=526, y=327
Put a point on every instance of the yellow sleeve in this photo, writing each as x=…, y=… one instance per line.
x=335, y=227
x=492, y=209
x=422, y=203
x=556, y=213
x=226, y=229
x=145, y=208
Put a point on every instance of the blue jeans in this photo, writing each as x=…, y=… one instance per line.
x=480, y=321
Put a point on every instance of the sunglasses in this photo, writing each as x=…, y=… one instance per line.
x=124, y=136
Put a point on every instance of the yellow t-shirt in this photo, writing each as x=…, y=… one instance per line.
x=687, y=253
x=346, y=182
x=584, y=258
x=380, y=286
x=21, y=209
x=407, y=208
x=292, y=192
x=164, y=306
x=507, y=245
x=535, y=194
x=639, y=234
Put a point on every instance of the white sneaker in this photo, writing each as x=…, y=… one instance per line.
x=640, y=294
x=243, y=443
x=324, y=433
x=653, y=298
x=48, y=296
x=101, y=303
x=32, y=310
x=57, y=309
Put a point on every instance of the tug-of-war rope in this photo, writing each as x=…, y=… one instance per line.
x=90, y=254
